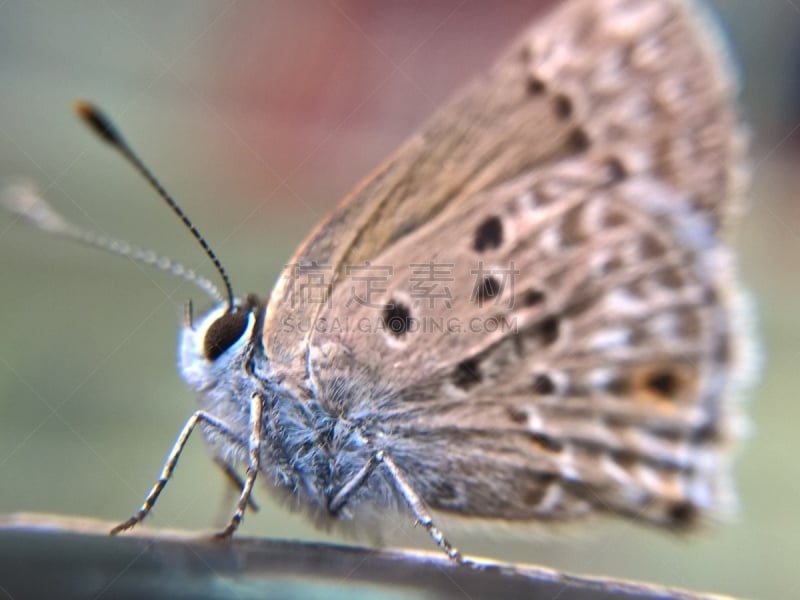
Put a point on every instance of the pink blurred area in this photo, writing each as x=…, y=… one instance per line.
x=314, y=89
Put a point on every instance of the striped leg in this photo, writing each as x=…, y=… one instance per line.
x=343, y=495
x=235, y=480
x=417, y=507
x=172, y=460
x=253, y=464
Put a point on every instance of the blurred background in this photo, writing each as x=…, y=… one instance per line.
x=259, y=117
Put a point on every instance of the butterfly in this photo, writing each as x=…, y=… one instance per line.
x=528, y=313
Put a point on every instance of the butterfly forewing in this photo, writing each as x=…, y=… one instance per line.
x=529, y=305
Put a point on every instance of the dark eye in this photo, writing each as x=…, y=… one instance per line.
x=224, y=332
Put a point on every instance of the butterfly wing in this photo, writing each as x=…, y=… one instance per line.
x=530, y=305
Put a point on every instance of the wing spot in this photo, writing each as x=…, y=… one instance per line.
x=651, y=247
x=532, y=298
x=543, y=385
x=562, y=106
x=467, y=374
x=705, y=434
x=682, y=514
x=578, y=140
x=547, y=442
x=664, y=383
x=536, y=86
x=549, y=330
x=397, y=318
x=516, y=415
x=487, y=288
x=489, y=235
x=671, y=279
x=618, y=386
x=614, y=218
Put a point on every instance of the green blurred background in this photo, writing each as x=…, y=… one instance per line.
x=259, y=116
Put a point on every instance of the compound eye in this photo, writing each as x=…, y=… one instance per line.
x=224, y=332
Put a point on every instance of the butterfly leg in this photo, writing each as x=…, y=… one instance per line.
x=253, y=463
x=172, y=460
x=235, y=480
x=417, y=506
x=343, y=495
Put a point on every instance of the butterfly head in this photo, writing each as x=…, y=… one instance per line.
x=219, y=342
x=224, y=337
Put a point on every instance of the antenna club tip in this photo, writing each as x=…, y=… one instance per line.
x=84, y=109
x=98, y=121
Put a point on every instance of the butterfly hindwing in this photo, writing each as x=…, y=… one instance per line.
x=537, y=280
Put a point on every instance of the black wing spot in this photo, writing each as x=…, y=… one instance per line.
x=467, y=374
x=487, y=289
x=489, y=235
x=664, y=383
x=536, y=86
x=683, y=514
x=547, y=442
x=397, y=318
x=543, y=385
x=578, y=140
x=532, y=298
x=549, y=330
